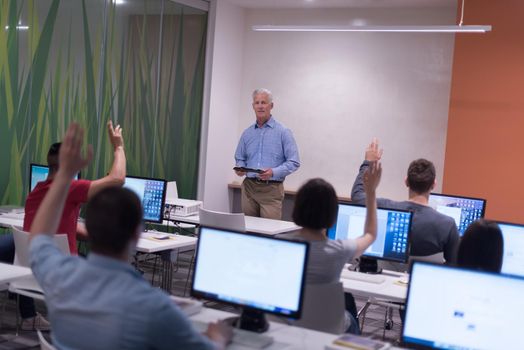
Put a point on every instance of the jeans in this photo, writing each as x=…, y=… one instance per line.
x=351, y=308
x=7, y=255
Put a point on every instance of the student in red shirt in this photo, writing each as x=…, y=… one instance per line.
x=79, y=192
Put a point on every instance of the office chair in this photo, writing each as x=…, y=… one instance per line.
x=227, y=221
x=28, y=286
x=44, y=344
x=323, y=308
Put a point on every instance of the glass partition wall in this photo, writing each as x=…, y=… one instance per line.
x=139, y=63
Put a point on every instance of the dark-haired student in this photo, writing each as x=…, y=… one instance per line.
x=316, y=208
x=481, y=247
x=431, y=231
x=79, y=192
x=101, y=302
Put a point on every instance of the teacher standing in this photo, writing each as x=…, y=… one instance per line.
x=267, y=145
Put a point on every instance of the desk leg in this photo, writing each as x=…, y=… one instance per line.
x=167, y=271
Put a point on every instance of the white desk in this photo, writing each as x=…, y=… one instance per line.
x=254, y=224
x=10, y=273
x=145, y=245
x=8, y=219
x=285, y=337
x=391, y=289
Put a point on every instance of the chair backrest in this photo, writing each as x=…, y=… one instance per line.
x=437, y=258
x=226, y=221
x=44, y=344
x=324, y=308
x=21, y=239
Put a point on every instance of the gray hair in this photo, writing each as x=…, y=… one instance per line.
x=263, y=91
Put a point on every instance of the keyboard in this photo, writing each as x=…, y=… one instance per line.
x=14, y=215
x=188, y=306
x=362, y=277
x=241, y=337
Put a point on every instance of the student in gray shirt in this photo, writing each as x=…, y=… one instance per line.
x=101, y=302
x=316, y=208
x=431, y=231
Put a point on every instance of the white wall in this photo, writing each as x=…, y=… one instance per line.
x=335, y=91
x=225, y=92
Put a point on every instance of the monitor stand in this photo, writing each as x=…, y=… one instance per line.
x=250, y=320
x=368, y=265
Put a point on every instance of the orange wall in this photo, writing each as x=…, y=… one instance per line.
x=485, y=139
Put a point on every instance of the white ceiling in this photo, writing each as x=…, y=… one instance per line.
x=344, y=3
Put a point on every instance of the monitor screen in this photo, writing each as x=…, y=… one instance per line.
x=463, y=210
x=38, y=173
x=393, y=230
x=454, y=308
x=513, y=259
x=256, y=272
x=152, y=194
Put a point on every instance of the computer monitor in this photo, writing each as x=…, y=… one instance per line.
x=464, y=210
x=513, y=259
x=262, y=274
x=152, y=194
x=455, y=308
x=393, y=231
x=38, y=173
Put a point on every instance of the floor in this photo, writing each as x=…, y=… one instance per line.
x=374, y=322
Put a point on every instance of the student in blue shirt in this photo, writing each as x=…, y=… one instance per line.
x=270, y=147
x=101, y=302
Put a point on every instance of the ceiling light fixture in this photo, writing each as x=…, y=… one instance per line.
x=380, y=29
x=460, y=28
x=19, y=27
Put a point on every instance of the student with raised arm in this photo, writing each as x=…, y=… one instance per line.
x=316, y=209
x=431, y=231
x=102, y=302
x=79, y=192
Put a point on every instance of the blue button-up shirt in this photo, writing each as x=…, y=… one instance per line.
x=103, y=303
x=270, y=146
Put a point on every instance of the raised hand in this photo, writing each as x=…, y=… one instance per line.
x=115, y=135
x=71, y=157
x=373, y=153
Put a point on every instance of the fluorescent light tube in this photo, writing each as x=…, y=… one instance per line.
x=379, y=29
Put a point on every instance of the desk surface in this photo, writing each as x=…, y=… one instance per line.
x=145, y=244
x=237, y=186
x=391, y=289
x=8, y=219
x=254, y=224
x=148, y=244
x=10, y=273
x=285, y=336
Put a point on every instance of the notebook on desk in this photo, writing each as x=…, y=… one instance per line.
x=355, y=342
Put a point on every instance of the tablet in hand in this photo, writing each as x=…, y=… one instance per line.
x=248, y=170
